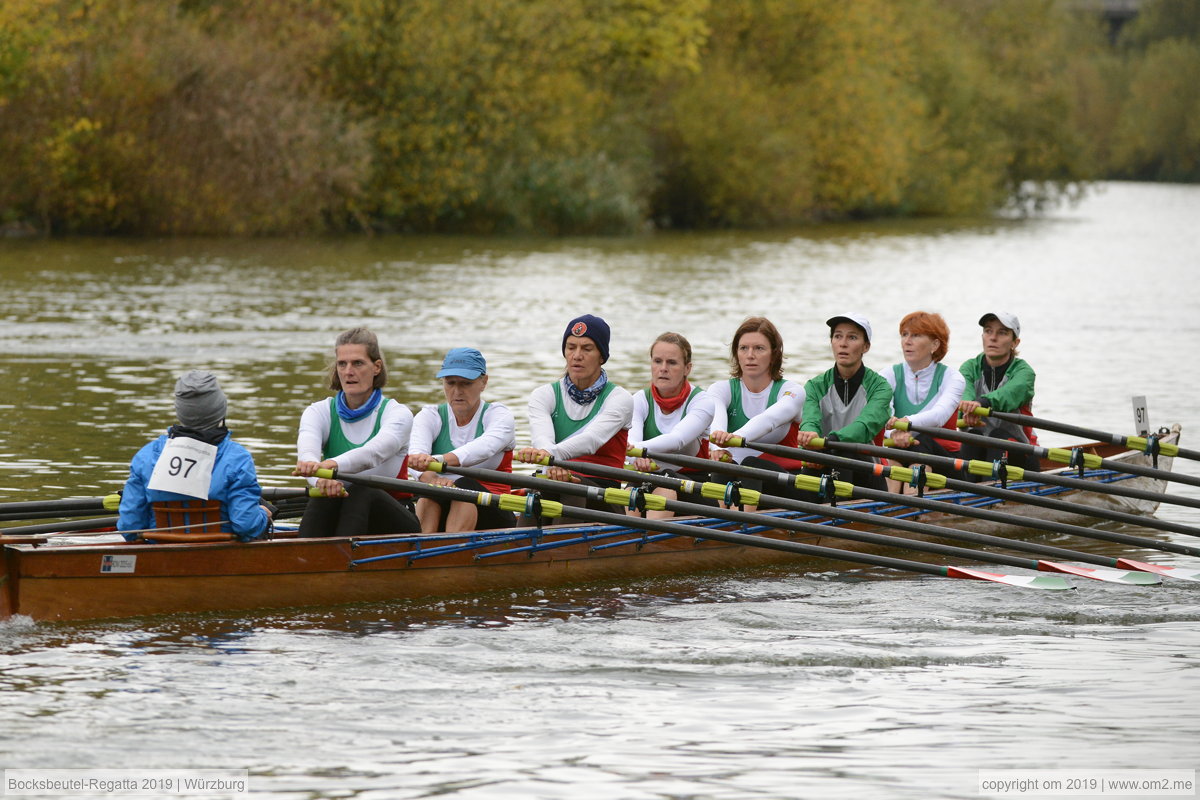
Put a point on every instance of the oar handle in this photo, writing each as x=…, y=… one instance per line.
x=1140, y=443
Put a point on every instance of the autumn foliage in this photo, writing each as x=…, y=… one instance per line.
x=163, y=117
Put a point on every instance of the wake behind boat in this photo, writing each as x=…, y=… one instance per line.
x=49, y=580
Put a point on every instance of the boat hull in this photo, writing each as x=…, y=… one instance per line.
x=92, y=581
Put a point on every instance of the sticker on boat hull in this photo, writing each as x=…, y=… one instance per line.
x=118, y=563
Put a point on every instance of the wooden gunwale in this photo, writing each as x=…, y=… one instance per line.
x=67, y=582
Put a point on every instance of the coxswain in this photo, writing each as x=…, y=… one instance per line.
x=195, y=482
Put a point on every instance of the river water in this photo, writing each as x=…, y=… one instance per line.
x=778, y=684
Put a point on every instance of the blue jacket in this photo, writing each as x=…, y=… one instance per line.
x=234, y=483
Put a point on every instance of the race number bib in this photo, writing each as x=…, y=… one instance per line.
x=185, y=467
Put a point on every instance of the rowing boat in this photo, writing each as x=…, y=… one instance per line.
x=92, y=580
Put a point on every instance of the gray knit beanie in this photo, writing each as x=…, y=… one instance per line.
x=199, y=401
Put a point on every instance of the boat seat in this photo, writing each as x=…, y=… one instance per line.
x=189, y=521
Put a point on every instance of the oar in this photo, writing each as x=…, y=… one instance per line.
x=630, y=498
x=716, y=491
x=22, y=531
x=988, y=469
x=843, y=489
x=83, y=506
x=534, y=506
x=1071, y=457
x=71, y=507
x=1142, y=444
x=58, y=527
x=63, y=513
x=905, y=475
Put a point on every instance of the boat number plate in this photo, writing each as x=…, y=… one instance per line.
x=118, y=563
x=1141, y=420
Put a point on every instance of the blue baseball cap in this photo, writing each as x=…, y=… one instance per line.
x=463, y=362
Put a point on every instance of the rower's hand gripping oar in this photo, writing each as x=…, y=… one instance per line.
x=1150, y=445
x=626, y=497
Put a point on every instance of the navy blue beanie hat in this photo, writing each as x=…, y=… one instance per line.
x=593, y=328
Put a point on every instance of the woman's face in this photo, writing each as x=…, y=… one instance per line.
x=918, y=348
x=356, y=372
x=584, y=360
x=668, y=369
x=998, y=342
x=754, y=355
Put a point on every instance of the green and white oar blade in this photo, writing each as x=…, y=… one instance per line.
x=1179, y=573
x=1103, y=574
x=1024, y=581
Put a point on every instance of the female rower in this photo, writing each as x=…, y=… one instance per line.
x=924, y=390
x=356, y=431
x=671, y=415
x=848, y=403
x=464, y=431
x=582, y=416
x=756, y=403
x=997, y=379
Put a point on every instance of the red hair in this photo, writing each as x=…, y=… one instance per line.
x=933, y=326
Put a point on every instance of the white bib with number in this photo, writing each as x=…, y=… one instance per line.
x=185, y=467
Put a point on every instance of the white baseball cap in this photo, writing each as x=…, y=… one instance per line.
x=858, y=319
x=1005, y=318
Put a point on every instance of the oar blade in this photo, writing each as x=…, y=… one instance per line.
x=1024, y=581
x=1132, y=578
x=1179, y=573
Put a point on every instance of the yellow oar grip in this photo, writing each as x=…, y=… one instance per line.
x=325, y=473
x=112, y=502
x=516, y=504
x=513, y=503
x=635, y=452
x=1062, y=456
x=718, y=491
x=902, y=424
x=1133, y=442
x=812, y=483
x=736, y=441
x=621, y=497
x=984, y=470
x=905, y=475
x=436, y=466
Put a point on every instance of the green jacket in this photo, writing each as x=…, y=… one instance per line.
x=1014, y=392
x=869, y=422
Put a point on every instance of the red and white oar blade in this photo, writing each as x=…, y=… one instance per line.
x=1180, y=573
x=1134, y=578
x=1025, y=581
